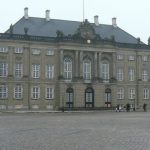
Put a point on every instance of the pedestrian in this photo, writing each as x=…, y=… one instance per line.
x=128, y=107
x=144, y=107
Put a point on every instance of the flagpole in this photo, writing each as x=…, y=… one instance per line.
x=83, y=11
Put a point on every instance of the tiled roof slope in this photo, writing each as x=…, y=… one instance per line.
x=41, y=27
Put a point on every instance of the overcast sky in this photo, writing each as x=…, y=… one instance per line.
x=132, y=16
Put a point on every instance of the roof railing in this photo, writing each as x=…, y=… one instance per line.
x=25, y=37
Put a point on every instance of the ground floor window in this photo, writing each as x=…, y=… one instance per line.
x=70, y=97
x=89, y=97
x=108, y=97
x=35, y=93
x=3, y=92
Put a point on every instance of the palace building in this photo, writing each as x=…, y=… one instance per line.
x=50, y=64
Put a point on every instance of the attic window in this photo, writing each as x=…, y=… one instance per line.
x=131, y=57
x=3, y=49
x=50, y=52
x=119, y=57
x=144, y=58
x=18, y=50
x=36, y=51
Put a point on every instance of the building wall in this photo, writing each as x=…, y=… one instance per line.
x=96, y=53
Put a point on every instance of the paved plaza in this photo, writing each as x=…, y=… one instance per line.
x=75, y=131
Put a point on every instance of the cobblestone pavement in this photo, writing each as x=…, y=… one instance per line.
x=75, y=131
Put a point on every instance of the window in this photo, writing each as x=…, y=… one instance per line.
x=49, y=93
x=120, y=74
x=144, y=58
x=3, y=49
x=50, y=52
x=119, y=57
x=120, y=93
x=146, y=93
x=3, y=70
x=36, y=51
x=49, y=71
x=131, y=74
x=89, y=97
x=131, y=57
x=3, y=92
x=132, y=93
x=18, y=50
x=69, y=98
x=35, y=71
x=18, y=92
x=105, y=70
x=145, y=75
x=35, y=92
x=18, y=70
x=87, y=69
x=68, y=68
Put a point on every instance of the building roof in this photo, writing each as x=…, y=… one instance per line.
x=41, y=27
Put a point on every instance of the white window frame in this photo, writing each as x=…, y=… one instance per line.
x=18, y=70
x=35, y=92
x=49, y=92
x=120, y=93
x=35, y=71
x=131, y=57
x=145, y=75
x=131, y=74
x=50, y=52
x=68, y=68
x=3, y=49
x=120, y=57
x=131, y=93
x=120, y=74
x=3, y=92
x=18, y=92
x=18, y=50
x=87, y=69
x=36, y=51
x=3, y=69
x=49, y=71
x=145, y=93
x=145, y=58
x=105, y=71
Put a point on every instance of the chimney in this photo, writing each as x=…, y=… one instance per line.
x=26, y=13
x=96, y=21
x=114, y=22
x=47, y=17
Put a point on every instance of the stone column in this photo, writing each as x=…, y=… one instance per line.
x=81, y=64
x=95, y=65
x=99, y=64
x=76, y=64
x=61, y=62
x=114, y=65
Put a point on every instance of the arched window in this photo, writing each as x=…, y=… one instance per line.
x=87, y=69
x=70, y=97
x=105, y=70
x=68, y=68
x=89, y=97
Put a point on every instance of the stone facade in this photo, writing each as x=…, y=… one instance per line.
x=117, y=57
